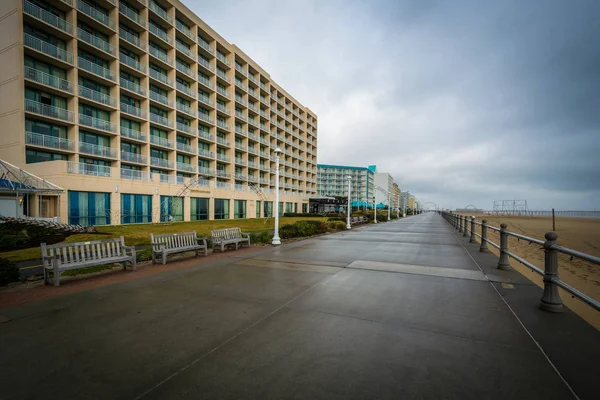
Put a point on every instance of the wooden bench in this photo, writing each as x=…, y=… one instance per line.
x=223, y=237
x=172, y=243
x=59, y=258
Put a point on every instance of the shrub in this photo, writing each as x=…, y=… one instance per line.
x=8, y=271
x=144, y=255
x=260, y=237
x=335, y=226
x=289, y=231
x=334, y=219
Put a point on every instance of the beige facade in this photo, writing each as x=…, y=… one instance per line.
x=143, y=98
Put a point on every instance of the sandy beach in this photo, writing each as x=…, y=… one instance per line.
x=581, y=234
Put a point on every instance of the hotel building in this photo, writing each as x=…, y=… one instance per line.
x=332, y=180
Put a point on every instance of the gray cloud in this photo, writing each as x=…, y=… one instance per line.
x=464, y=102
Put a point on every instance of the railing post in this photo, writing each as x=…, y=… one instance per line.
x=483, y=247
x=466, y=226
x=503, y=262
x=550, y=300
x=472, y=238
x=460, y=224
x=456, y=222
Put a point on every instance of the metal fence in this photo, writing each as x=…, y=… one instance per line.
x=550, y=300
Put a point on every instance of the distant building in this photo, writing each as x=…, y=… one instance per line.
x=404, y=199
x=395, y=196
x=332, y=180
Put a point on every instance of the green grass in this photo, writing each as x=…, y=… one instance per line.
x=139, y=234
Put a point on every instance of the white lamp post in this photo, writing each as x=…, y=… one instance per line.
x=276, y=238
x=374, y=209
x=349, y=203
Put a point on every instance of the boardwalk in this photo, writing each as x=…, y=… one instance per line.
x=390, y=311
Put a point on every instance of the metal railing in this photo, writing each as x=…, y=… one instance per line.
x=136, y=41
x=205, y=45
x=95, y=41
x=184, y=29
x=185, y=69
x=185, y=167
x=206, y=153
x=87, y=169
x=135, y=175
x=132, y=134
x=159, y=76
x=166, y=178
x=49, y=18
x=221, y=57
x=205, y=82
x=133, y=157
x=97, y=123
x=160, y=55
x=49, y=111
x=550, y=300
x=96, y=14
x=51, y=142
x=133, y=110
x=47, y=48
x=160, y=98
x=185, y=147
x=205, y=135
x=185, y=50
x=131, y=86
x=204, y=117
x=160, y=33
x=160, y=141
x=95, y=69
x=94, y=95
x=125, y=59
x=160, y=162
x=159, y=119
x=131, y=14
x=222, y=75
x=44, y=78
x=205, y=64
x=159, y=11
x=97, y=150
x=206, y=100
x=185, y=128
x=184, y=89
x=206, y=171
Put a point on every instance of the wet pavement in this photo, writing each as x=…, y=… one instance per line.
x=406, y=309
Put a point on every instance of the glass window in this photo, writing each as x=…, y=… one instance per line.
x=221, y=208
x=268, y=209
x=136, y=208
x=304, y=208
x=89, y=208
x=35, y=156
x=289, y=207
x=280, y=208
x=171, y=208
x=257, y=208
x=198, y=209
x=239, y=209
x=46, y=128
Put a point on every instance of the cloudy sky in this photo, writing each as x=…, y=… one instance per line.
x=463, y=102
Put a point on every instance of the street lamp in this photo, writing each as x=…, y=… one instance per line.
x=349, y=207
x=276, y=238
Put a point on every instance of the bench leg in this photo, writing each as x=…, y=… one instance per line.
x=206, y=251
x=164, y=257
x=133, y=263
x=45, y=275
x=56, y=275
x=222, y=247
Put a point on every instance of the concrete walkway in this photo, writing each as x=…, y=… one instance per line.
x=390, y=311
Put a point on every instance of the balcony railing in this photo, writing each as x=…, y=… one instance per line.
x=132, y=134
x=160, y=12
x=206, y=153
x=205, y=117
x=49, y=18
x=160, y=141
x=205, y=99
x=184, y=108
x=185, y=50
x=185, y=167
x=159, y=162
x=223, y=157
x=95, y=69
x=205, y=64
x=185, y=128
x=186, y=70
x=222, y=91
x=160, y=55
x=160, y=98
x=135, y=175
x=125, y=59
x=222, y=75
x=205, y=82
x=184, y=89
x=134, y=40
x=44, y=78
x=222, y=108
x=133, y=87
x=239, y=115
x=159, y=76
x=50, y=142
x=160, y=33
x=204, y=44
x=240, y=100
x=96, y=150
x=221, y=57
x=240, y=188
x=206, y=171
x=240, y=161
x=222, y=124
x=49, y=111
x=240, y=69
x=131, y=14
x=241, y=146
x=47, y=48
x=87, y=169
x=159, y=119
x=184, y=29
x=94, y=95
x=96, y=14
x=97, y=123
x=133, y=110
x=165, y=178
x=96, y=41
x=222, y=185
x=252, y=164
x=185, y=147
x=205, y=135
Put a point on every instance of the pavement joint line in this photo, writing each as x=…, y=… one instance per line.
x=246, y=329
x=562, y=378
x=411, y=268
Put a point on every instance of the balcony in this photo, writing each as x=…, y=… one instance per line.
x=205, y=82
x=252, y=150
x=240, y=161
x=222, y=91
x=49, y=142
x=184, y=89
x=97, y=123
x=241, y=101
x=221, y=57
x=222, y=124
x=132, y=87
x=133, y=110
x=166, y=178
x=252, y=178
x=223, y=157
x=252, y=136
x=205, y=64
x=241, y=86
x=185, y=167
x=46, y=79
x=159, y=76
x=96, y=42
x=96, y=14
x=159, y=54
x=240, y=69
x=47, y=17
x=160, y=12
x=100, y=151
x=160, y=98
x=240, y=188
x=160, y=33
x=135, y=175
x=240, y=116
x=205, y=117
x=222, y=75
x=185, y=147
x=185, y=50
x=186, y=70
x=252, y=164
x=186, y=128
x=132, y=134
x=222, y=108
x=134, y=40
x=138, y=66
x=184, y=29
x=206, y=171
x=222, y=185
x=206, y=153
x=95, y=69
x=205, y=45
x=131, y=14
x=161, y=141
x=87, y=169
x=160, y=162
x=99, y=97
x=206, y=135
x=159, y=119
x=47, y=48
x=206, y=100
x=240, y=146
x=46, y=110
